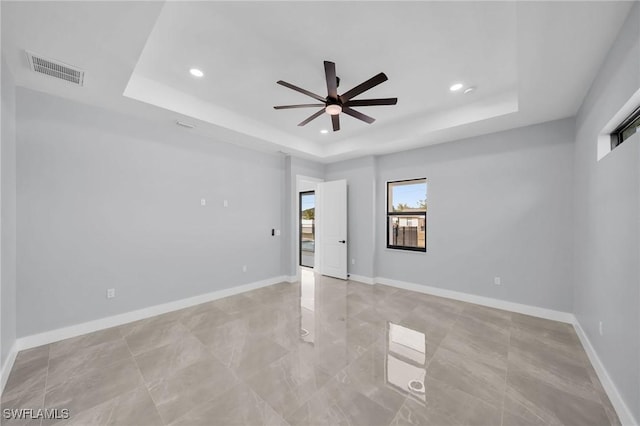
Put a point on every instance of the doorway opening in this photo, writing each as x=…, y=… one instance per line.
x=307, y=232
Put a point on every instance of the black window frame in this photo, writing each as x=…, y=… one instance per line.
x=633, y=120
x=409, y=213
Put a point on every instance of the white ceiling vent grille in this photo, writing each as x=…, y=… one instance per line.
x=55, y=69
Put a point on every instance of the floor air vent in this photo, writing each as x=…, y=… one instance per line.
x=55, y=69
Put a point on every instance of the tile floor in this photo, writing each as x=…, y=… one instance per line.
x=320, y=352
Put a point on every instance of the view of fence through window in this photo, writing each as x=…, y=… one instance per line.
x=307, y=228
x=407, y=214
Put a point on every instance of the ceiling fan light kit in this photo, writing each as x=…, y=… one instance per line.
x=334, y=104
x=333, y=109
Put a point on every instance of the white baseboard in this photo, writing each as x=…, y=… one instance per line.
x=7, y=366
x=290, y=279
x=624, y=414
x=361, y=279
x=116, y=320
x=481, y=300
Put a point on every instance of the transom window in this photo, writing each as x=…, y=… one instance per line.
x=627, y=128
x=407, y=214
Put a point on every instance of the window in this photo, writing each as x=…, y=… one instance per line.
x=627, y=128
x=407, y=215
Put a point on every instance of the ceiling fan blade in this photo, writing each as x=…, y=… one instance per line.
x=332, y=82
x=370, y=102
x=298, y=106
x=313, y=117
x=358, y=115
x=298, y=89
x=335, y=120
x=363, y=87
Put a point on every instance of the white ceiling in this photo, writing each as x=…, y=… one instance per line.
x=530, y=61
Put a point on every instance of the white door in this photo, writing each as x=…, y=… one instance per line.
x=332, y=227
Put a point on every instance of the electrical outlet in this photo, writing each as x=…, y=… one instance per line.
x=244, y=268
x=497, y=281
x=600, y=328
x=353, y=261
x=111, y=293
x=225, y=203
x=203, y=202
x=277, y=232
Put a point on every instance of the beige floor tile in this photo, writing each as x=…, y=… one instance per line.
x=69, y=346
x=546, y=361
x=238, y=406
x=148, y=334
x=427, y=317
x=128, y=409
x=274, y=295
x=340, y=404
x=196, y=384
x=288, y=382
x=444, y=405
x=28, y=379
x=166, y=360
x=205, y=316
x=553, y=405
x=515, y=413
x=370, y=375
x=237, y=304
x=553, y=331
x=94, y=386
x=33, y=400
x=34, y=356
x=484, y=342
x=345, y=355
x=251, y=355
x=64, y=367
x=604, y=398
x=467, y=374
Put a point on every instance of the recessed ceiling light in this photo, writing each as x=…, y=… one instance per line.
x=456, y=87
x=196, y=72
x=324, y=131
x=469, y=90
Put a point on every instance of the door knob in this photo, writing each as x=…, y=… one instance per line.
x=342, y=241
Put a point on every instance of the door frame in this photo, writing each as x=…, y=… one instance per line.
x=303, y=184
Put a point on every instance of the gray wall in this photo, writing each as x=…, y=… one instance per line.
x=498, y=205
x=106, y=200
x=361, y=177
x=607, y=230
x=8, y=215
x=502, y=203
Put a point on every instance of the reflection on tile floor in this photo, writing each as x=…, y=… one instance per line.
x=319, y=352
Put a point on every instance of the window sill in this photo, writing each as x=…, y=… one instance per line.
x=393, y=250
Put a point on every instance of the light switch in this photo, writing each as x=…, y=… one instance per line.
x=225, y=203
x=203, y=202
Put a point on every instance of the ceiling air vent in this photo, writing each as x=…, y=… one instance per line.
x=55, y=69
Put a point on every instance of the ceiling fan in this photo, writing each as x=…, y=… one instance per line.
x=334, y=104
